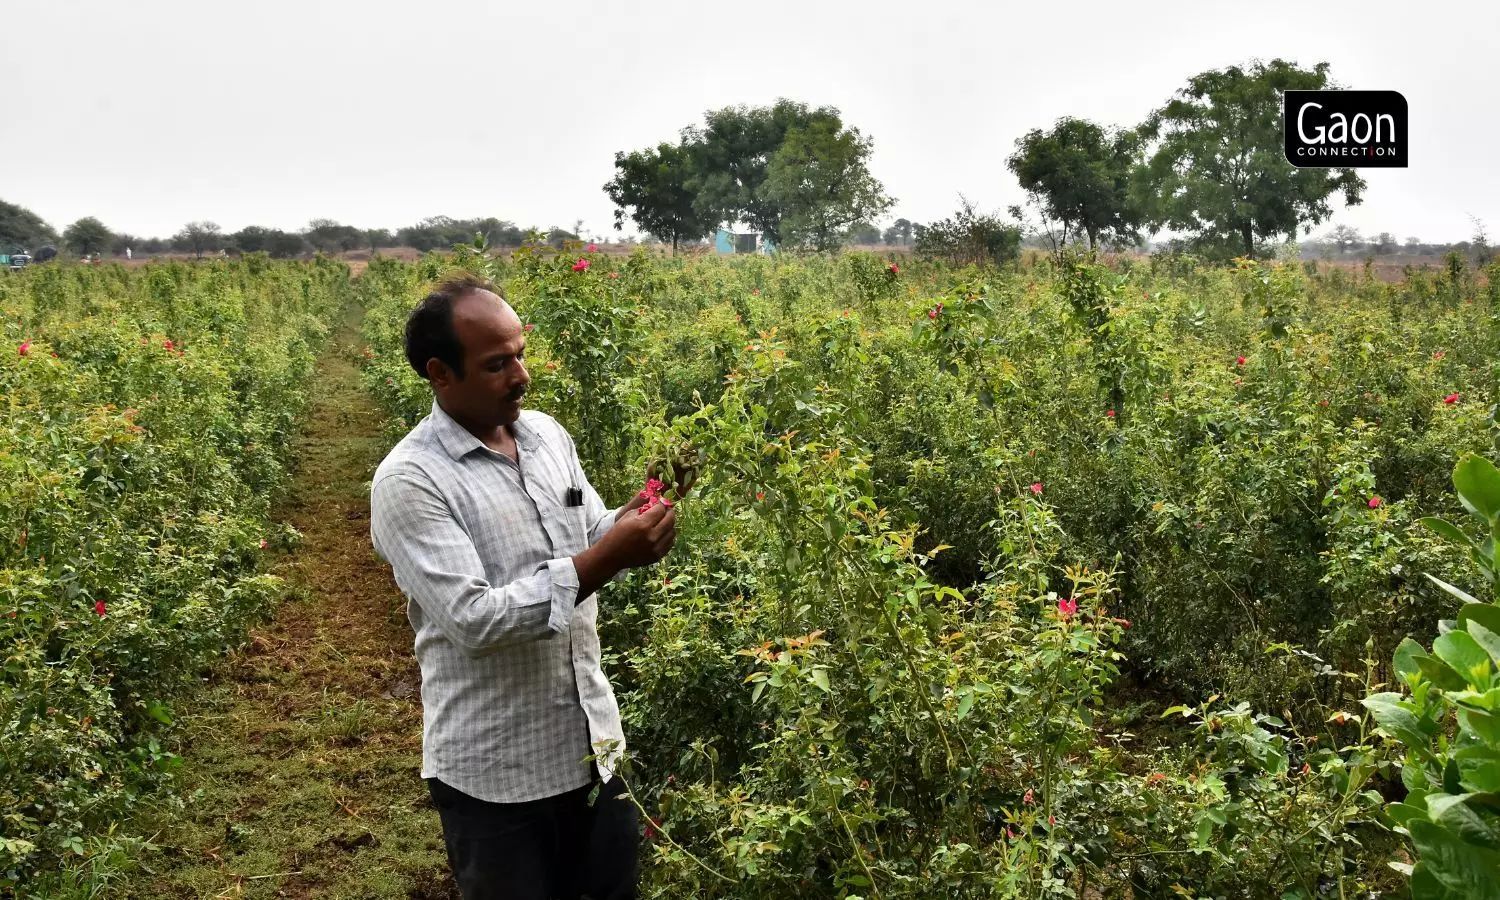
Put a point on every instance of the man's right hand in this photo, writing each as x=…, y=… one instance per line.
x=642, y=538
x=634, y=540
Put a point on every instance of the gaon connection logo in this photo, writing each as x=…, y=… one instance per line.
x=1346, y=129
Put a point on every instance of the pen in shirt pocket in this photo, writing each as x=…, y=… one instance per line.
x=574, y=496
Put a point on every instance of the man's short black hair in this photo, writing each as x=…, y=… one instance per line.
x=429, y=328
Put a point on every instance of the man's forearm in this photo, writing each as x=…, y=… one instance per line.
x=595, y=567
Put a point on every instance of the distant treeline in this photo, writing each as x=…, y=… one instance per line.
x=22, y=229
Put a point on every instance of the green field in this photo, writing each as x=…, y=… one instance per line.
x=1061, y=580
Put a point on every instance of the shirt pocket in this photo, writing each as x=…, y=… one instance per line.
x=575, y=527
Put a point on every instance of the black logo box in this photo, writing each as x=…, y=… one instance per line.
x=1345, y=129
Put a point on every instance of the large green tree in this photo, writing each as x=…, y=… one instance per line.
x=732, y=155
x=22, y=229
x=653, y=185
x=820, y=182
x=1078, y=175
x=1217, y=169
x=87, y=236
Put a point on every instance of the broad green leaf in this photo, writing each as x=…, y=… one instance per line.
x=1478, y=484
x=964, y=705
x=1407, y=654
x=1473, y=817
x=1485, y=638
x=1480, y=767
x=820, y=678
x=1441, y=674
x=1447, y=529
x=1485, y=725
x=1467, y=598
x=1458, y=866
x=1459, y=650
x=1425, y=886
x=1486, y=614
x=1404, y=813
x=1399, y=723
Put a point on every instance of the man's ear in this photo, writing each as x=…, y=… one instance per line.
x=438, y=372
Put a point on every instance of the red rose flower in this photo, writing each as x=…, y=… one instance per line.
x=580, y=265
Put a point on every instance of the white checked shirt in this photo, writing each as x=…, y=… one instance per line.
x=513, y=698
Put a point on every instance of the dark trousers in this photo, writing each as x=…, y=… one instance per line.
x=555, y=848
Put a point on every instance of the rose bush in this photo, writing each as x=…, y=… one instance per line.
x=144, y=432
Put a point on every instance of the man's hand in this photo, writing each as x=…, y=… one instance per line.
x=641, y=538
x=635, y=540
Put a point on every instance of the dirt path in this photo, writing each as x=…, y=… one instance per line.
x=301, y=758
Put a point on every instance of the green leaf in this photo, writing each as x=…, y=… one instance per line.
x=1447, y=529
x=1485, y=638
x=1425, y=886
x=1407, y=654
x=1483, y=724
x=1478, y=484
x=1480, y=767
x=1404, y=813
x=159, y=711
x=1486, y=614
x=1467, y=598
x=1459, y=650
x=965, y=704
x=1398, y=722
x=1441, y=674
x=1457, y=866
x=1475, y=818
x=820, y=678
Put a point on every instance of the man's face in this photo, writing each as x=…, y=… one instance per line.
x=495, y=377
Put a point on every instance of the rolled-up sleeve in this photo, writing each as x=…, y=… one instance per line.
x=436, y=565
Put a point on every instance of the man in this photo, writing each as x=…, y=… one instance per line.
x=499, y=543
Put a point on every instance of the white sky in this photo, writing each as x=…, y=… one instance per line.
x=149, y=113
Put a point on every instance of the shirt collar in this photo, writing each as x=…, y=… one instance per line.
x=458, y=441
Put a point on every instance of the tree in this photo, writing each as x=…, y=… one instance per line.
x=970, y=237
x=375, y=238
x=120, y=241
x=653, y=185
x=731, y=158
x=820, y=183
x=199, y=237
x=22, y=229
x=862, y=233
x=328, y=236
x=1385, y=244
x=899, y=232
x=1078, y=174
x=86, y=236
x=1218, y=170
x=284, y=244
x=1344, y=237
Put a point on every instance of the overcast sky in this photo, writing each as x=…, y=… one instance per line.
x=148, y=114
